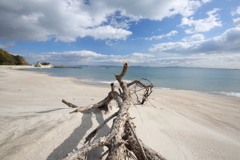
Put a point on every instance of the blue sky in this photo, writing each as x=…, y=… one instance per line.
x=187, y=33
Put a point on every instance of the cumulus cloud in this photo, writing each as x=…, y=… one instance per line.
x=172, y=33
x=92, y=58
x=8, y=45
x=236, y=12
x=195, y=37
x=206, y=1
x=111, y=43
x=155, y=9
x=228, y=42
x=207, y=61
x=60, y=19
x=101, y=32
x=67, y=20
x=236, y=21
x=85, y=57
x=202, y=25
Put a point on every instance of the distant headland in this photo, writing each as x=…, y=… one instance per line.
x=12, y=60
x=48, y=65
x=9, y=59
x=63, y=66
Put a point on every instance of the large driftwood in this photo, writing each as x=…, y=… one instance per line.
x=121, y=140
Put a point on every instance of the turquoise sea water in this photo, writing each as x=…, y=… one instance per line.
x=219, y=81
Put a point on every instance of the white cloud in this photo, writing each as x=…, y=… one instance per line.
x=111, y=43
x=206, y=1
x=141, y=55
x=226, y=43
x=236, y=21
x=154, y=9
x=236, y=12
x=202, y=25
x=67, y=20
x=120, y=21
x=194, y=37
x=101, y=32
x=92, y=58
x=85, y=58
x=172, y=33
x=207, y=61
x=8, y=45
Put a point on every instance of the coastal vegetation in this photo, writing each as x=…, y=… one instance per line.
x=45, y=63
x=9, y=59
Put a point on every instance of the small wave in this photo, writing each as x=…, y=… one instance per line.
x=232, y=94
x=104, y=82
x=163, y=88
x=115, y=81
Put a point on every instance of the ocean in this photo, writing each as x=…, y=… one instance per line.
x=216, y=81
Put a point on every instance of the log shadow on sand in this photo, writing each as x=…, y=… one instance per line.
x=78, y=134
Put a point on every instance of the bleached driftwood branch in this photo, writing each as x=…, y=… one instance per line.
x=121, y=140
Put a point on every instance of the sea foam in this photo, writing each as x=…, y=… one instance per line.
x=231, y=94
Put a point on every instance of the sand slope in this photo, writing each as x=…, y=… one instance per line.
x=183, y=125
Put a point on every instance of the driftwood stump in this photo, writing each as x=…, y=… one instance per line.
x=121, y=140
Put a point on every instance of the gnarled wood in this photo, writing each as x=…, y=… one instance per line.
x=143, y=85
x=121, y=140
x=102, y=104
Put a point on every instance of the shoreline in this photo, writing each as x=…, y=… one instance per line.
x=233, y=94
x=16, y=66
x=179, y=124
x=100, y=83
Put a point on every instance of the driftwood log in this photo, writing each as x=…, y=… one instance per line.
x=121, y=140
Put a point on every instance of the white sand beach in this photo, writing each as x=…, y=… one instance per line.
x=180, y=125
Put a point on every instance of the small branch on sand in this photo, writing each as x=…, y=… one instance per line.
x=121, y=140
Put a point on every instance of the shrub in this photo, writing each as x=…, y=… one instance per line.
x=45, y=63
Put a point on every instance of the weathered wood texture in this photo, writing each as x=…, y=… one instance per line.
x=121, y=140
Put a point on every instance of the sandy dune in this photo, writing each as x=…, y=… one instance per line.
x=183, y=125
